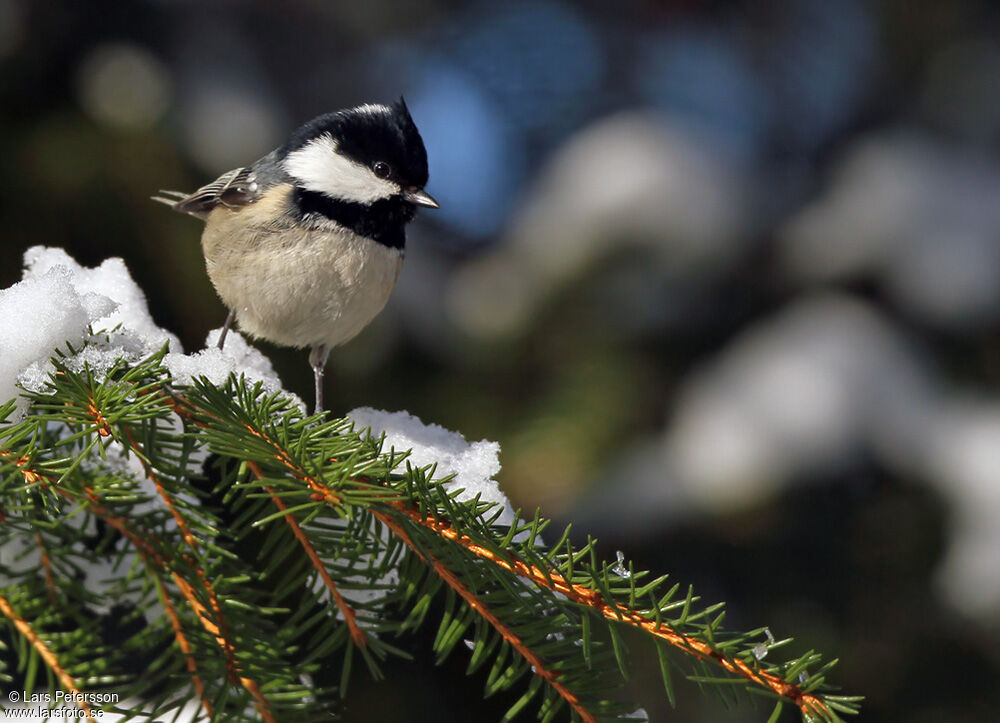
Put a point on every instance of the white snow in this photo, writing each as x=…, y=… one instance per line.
x=216, y=364
x=473, y=464
x=112, y=280
x=58, y=299
x=619, y=567
x=30, y=330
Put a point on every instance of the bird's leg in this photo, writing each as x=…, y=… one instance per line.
x=225, y=327
x=317, y=360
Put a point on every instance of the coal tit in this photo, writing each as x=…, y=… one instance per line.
x=305, y=245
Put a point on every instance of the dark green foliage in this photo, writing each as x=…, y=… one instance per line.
x=184, y=498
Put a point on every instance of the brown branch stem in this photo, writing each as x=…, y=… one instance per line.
x=250, y=685
x=538, y=666
x=357, y=634
x=192, y=542
x=50, y=578
x=185, y=646
x=46, y=654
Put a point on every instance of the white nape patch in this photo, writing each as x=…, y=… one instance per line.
x=318, y=166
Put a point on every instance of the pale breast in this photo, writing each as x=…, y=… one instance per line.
x=293, y=286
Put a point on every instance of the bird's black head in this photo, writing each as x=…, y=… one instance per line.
x=360, y=155
x=374, y=135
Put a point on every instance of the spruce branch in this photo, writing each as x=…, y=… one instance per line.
x=158, y=563
x=538, y=667
x=309, y=543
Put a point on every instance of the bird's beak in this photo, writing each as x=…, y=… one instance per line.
x=420, y=197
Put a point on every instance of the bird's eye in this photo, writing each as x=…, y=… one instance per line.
x=382, y=169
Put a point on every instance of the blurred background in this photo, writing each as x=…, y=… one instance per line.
x=722, y=277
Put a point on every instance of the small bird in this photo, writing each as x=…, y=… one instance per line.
x=305, y=245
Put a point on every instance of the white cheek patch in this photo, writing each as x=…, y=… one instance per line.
x=318, y=167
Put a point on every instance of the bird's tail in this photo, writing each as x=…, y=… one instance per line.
x=170, y=198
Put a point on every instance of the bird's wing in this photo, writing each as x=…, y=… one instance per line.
x=237, y=187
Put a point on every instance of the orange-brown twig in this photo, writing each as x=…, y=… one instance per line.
x=553, y=580
x=185, y=646
x=100, y=422
x=357, y=635
x=191, y=542
x=50, y=579
x=47, y=655
x=250, y=685
x=480, y=607
x=22, y=462
x=324, y=492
